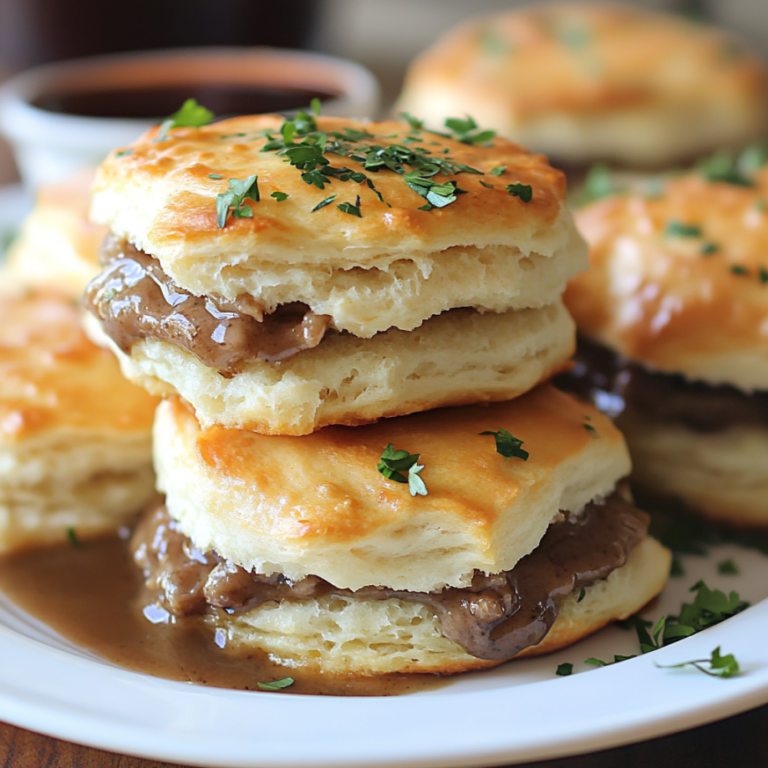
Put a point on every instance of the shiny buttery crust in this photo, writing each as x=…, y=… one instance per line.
x=721, y=475
x=346, y=635
x=583, y=82
x=455, y=358
x=394, y=267
x=317, y=505
x=75, y=437
x=654, y=298
x=57, y=245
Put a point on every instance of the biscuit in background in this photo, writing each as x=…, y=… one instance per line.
x=75, y=436
x=587, y=82
x=673, y=317
x=57, y=245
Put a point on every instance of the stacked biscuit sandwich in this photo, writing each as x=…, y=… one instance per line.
x=309, y=296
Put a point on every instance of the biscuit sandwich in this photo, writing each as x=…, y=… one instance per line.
x=505, y=533
x=75, y=436
x=673, y=317
x=588, y=82
x=284, y=275
x=57, y=244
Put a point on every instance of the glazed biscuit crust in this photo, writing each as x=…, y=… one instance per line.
x=58, y=246
x=586, y=81
x=455, y=358
x=338, y=635
x=694, y=303
x=317, y=505
x=394, y=266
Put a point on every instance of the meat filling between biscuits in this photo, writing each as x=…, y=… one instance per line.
x=134, y=300
x=494, y=618
x=616, y=386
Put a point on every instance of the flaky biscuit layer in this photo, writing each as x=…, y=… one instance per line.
x=721, y=474
x=75, y=436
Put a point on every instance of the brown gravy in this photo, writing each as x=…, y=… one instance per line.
x=90, y=594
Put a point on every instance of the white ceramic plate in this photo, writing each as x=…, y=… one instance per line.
x=519, y=712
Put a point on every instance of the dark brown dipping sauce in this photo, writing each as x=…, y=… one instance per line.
x=90, y=595
x=157, y=102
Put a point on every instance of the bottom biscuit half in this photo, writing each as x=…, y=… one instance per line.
x=459, y=357
x=337, y=634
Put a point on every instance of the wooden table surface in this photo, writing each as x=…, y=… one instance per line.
x=738, y=742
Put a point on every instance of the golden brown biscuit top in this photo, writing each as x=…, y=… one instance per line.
x=590, y=58
x=679, y=280
x=325, y=487
x=53, y=377
x=162, y=194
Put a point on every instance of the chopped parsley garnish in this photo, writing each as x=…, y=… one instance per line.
x=680, y=229
x=437, y=194
x=737, y=269
x=276, y=685
x=498, y=170
x=72, y=536
x=467, y=131
x=593, y=662
x=190, y=115
x=414, y=122
x=279, y=196
x=486, y=184
x=740, y=170
x=508, y=445
x=719, y=665
x=215, y=176
x=352, y=210
x=523, y=191
x=763, y=274
x=323, y=203
x=582, y=594
x=239, y=191
x=493, y=43
x=728, y=568
x=708, y=249
x=598, y=184
x=124, y=152
x=592, y=431
x=563, y=670
x=309, y=150
x=394, y=464
x=315, y=106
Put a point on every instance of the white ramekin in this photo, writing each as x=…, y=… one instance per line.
x=50, y=146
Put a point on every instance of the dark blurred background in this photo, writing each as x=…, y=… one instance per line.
x=382, y=34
